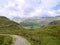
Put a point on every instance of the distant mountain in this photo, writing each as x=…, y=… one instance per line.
x=36, y=20
x=20, y=19
x=39, y=21
x=55, y=22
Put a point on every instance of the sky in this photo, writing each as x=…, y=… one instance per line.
x=29, y=8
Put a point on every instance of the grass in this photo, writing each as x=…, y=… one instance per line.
x=5, y=40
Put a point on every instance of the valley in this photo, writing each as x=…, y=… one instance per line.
x=45, y=35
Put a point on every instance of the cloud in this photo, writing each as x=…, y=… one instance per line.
x=11, y=7
x=49, y=3
x=28, y=8
x=45, y=8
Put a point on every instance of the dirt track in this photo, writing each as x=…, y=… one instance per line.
x=19, y=40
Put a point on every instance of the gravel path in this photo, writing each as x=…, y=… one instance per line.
x=19, y=40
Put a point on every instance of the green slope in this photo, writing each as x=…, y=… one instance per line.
x=53, y=30
x=49, y=35
x=9, y=27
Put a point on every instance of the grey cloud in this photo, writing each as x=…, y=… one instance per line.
x=30, y=6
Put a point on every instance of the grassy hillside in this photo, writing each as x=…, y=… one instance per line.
x=9, y=27
x=53, y=30
x=49, y=35
x=5, y=40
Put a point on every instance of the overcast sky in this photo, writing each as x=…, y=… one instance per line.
x=29, y=8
